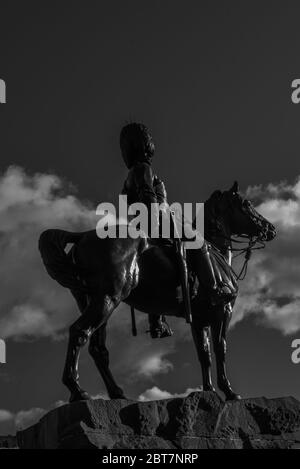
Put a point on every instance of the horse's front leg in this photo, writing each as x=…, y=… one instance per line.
x=202, y=342
x=96, y=314
x=219, y=330
x=100, y=355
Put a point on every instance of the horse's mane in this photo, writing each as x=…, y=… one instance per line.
x=212, y=222
x=213, y=199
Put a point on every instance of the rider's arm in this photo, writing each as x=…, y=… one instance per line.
x=143, y=179
x=160, y=191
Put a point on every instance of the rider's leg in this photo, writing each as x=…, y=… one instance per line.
x=204, y=268
x=206, y=275
x=159, y=328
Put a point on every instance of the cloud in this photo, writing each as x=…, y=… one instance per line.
x=32, y=304
x=22, y=419
x=154, y=364
x=5, y=415
x=101, y=395
x=26, y=418
x=142, y=357
x=155, y=394
x=272, y=287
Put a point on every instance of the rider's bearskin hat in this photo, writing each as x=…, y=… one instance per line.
x=136, y=144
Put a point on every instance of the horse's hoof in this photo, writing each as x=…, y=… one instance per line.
x=79, y=396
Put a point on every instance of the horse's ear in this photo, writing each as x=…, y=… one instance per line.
x=235, y=188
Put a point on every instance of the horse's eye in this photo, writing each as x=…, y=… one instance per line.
x=246, y=203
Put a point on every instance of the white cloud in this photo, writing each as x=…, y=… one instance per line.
x=101, y=395
x=272, y=287
x=32, y=304
x=60, y=403
x=5, y=415
x=153, y=364
x=155, y=394
x=26, y=418
x=22, y=419
x=286, y=317
x=140, y=357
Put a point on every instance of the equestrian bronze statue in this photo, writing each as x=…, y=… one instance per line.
x=144, y=273
x=142, y=185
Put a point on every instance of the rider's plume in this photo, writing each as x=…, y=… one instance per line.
x=235, y=188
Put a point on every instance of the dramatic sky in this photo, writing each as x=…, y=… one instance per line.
x=213, y=82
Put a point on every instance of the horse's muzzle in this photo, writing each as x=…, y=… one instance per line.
x=269, y=233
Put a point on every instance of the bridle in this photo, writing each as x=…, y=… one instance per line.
x=254, y=243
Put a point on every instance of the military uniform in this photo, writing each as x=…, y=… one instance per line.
x=142, y=185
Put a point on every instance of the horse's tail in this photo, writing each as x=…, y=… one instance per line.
x=58, y=264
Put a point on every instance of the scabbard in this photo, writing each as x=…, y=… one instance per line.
x=183, y=272
x=133, y=321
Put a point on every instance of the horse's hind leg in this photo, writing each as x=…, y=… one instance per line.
x=201, y=339
x=96, y=314
x=219, y=330
x=100, y=355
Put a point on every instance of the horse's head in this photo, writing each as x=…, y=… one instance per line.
x=243, y=218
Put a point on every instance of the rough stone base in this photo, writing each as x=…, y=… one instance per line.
x=200, y=421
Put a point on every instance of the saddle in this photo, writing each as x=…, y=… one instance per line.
x=189, y=285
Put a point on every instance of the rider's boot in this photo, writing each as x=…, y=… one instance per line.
x=159, y=328
x=219, y=293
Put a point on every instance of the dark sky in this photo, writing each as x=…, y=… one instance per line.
x=211, y=79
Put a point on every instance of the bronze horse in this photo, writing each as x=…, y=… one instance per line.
x=101, y=273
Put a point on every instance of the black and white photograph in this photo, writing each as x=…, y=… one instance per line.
x=149, y=228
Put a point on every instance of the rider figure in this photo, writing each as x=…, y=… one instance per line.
x=142, y=185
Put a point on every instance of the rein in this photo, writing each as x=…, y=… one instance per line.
x=238, y=239
x=252, y=242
